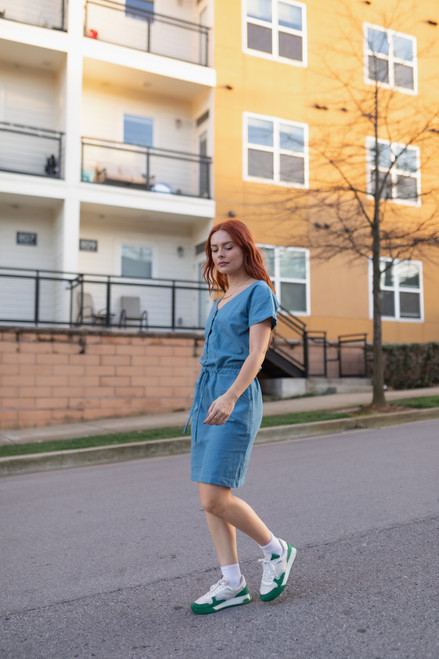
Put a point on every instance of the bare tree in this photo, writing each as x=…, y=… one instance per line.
x=368, y=139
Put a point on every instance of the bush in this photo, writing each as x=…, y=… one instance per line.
x=411, y=365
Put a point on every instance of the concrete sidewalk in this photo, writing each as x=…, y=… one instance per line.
x=343, y=401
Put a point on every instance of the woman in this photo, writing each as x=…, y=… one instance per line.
x=227, y=413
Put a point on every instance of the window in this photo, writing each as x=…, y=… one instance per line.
x=390, y=58
x=276, y=29
x=398, y=170
x=141, y=9
x=138, y=130
x=401, y=289
x=276, y=151
x=288, y=268
x=136, y=261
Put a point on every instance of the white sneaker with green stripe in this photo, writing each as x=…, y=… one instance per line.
x=276, y=571
x=220, y=596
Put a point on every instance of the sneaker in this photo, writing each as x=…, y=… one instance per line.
x=276, y=571
x=220, y=596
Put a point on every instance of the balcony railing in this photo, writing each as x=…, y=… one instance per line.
x=53, y=298
x=50, y=13
x=140, y=29
x=30, y=150
x=145, y=168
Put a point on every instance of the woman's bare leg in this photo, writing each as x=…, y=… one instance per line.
x=219, y=502
x=224, y=539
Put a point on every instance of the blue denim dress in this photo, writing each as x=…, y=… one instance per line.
x=220, y=454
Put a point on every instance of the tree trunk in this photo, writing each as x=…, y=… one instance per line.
x=378, y=399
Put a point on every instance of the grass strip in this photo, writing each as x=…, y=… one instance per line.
x=8, y=450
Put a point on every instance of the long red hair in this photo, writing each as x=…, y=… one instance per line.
x=253, y=261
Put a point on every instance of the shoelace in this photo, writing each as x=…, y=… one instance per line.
x=268, y=569
x=222, y=583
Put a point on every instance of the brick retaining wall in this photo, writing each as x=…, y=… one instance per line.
x=56, y=376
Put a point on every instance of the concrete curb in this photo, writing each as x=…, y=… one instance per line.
x=162, y=447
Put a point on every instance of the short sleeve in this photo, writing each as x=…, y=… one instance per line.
x=263, y=304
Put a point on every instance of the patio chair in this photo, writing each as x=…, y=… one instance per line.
x=87, y=314
x=130, y=312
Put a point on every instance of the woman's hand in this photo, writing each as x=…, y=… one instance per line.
x=220, y=410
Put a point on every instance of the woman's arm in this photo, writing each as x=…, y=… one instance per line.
x=259, y=340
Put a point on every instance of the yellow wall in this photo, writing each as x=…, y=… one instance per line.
x=339, y=287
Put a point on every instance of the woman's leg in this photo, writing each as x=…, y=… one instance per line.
x=219, y=502
x=224, y=539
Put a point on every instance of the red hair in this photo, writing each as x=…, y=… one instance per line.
x=253, y=261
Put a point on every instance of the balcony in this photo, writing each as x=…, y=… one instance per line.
x=54, y=298
x=31, y=150
x=149, y=32
x=50, y=14
x=145, y=168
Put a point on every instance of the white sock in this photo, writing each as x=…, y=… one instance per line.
x=273, y=547
x=232, y=573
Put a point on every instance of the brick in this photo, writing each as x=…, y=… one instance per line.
x=34, y=418
x=68, y=370
x=117, y=340
x=8, y=419
x=84, y=360
x=19, y=358
x=52, y=359
x=8, y=369
x=130, y=391
x=86, y=381
x=7, y=336
x=66, y=416
x=37, y=348
x=21, y=381
x=35, y=392
x=66, y=348
x=129, y=350
x=51, y=403
x=115, y=382
x=156, y=392
x=53, y=381
x=98, y=392
x=173, y=361
x=115, y=403
x=103, y=349
x=19, y=403
x=159, y=351
x=115, y=360
x=69, y=391
x=34, y=369
x=9, y=392
x=6, y=346
x=136, y=371
x=101, y=370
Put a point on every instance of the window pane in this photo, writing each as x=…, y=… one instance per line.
x=387, y=276
x=142, y=6
x=291, y=138
x=260, y=9
x=292, y=264
x=290, y=16
x=136, y=261
x=384, y=155
x=290, y=46
x=405, y=159
x=138, y=130
x=260, y=131
x=403, y=48
x=377, y=41
x=408, y=274
x=404, y=76
x=406, y=188
x=388, y=303
x=259, y=38
x=409, y=305
x=268, y=253
x=292, y=169
x=385, y=185
x=293, y=297
x=378, y=69
x=260, y=164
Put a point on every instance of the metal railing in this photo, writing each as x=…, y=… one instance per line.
x=31, y=150
x=132, y=27
x=49, y=14
x=55, y=298
x=145, y=168
x=352, y=355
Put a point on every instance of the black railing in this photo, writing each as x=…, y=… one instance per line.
x=49, y=14
x=352, y=355
x=54, y=298
x=147, y=31
x=31, y=150
x=145, y=168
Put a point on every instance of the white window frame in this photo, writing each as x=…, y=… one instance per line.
x=394, y=171
x=274, y=26
x=276, y=150
x=391, y=60
x=397, y=289
x=277, y=279
x=133, y=244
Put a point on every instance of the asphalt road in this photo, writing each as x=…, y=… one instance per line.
x=104, y=561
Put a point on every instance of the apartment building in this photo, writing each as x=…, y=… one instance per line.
x=106, y=133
